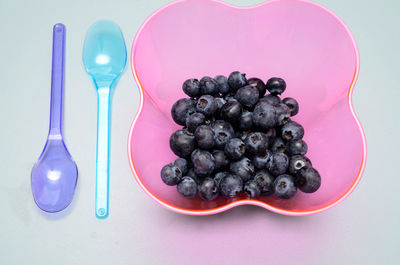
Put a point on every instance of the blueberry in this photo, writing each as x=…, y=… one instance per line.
x=237, y=80
x=298, y=162
x=223, y=132
x=206, y=105
x=205, y=137
x=270, y=133
x=182, y=143
x=243, y=168
x=231, y=186
x=187, y=187
x=271, y=99
x=283, y=113
x=231, y=111
x=292, y=131
x=247, y=96
x=208, y=189
x=242, y=135
x=203, y=163
x=220, y=102
x=235, y=148
x=256, y=143
x=308, y=180
x=297, y=147
x=264, y=116
x=219, y=176
x=292, y=104
x=191, y=87
x=265, y=181
x=171, y=174
x=276, y=85
x=193, y=175
x=221, y=160
x=182, y=164
x=278, y=145
x=278, y=164
x=261, y=161
x=245, y=121
x=194, y=121
x=252, y=189
x=222, y=84
x=284, y=186
x=259, y=84
x=181, y=109
x=208, y=86
x=209, y=120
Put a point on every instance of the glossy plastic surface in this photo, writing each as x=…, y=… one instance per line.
x=300, y=41
x=104, y=57
x=54, y=176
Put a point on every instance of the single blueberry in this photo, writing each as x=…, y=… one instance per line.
x=261, y=161
x=208, y=86
x=247, y=96
x=283, y=113
x=182, y=164
x=284, y=186
x=271, y=99
x=278, y=164
x=259, y=84
x=194, y=121
x=292, y=104
x=231, y=186
x=298, y=162
x=264, y=116
x=222, y=84
x=231, y=111
x=205, y=137
x=219, y=176
x=221, y=160
x=265, y=181
x=208, y=190
x=243, y=168
x=203, y=162
x=235, y=148
x=187, y=187
x=278, y=146
x=223, y=132
x=256, y=143
x=276, y=85
x=245, y=121
x=237, y=80
x=308, y=180
x=171, y=174
x=252, y=189
x=292, y=131
x=182, y=109
x=182, y=143
x=297, y=147
x=206, y=105
x=191, y=87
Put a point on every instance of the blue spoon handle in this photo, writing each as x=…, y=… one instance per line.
x=57, y=79
x=103, y=152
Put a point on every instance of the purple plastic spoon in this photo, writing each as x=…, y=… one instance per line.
x=55, y=174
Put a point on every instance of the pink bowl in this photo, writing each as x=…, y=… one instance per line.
x=300, y=41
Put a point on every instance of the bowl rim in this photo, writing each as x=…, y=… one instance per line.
x=247, y=201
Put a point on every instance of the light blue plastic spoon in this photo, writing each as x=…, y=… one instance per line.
x=104, y=57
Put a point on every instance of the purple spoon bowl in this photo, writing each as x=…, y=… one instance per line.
x=55, y=174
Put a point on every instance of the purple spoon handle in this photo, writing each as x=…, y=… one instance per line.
x=57, y=80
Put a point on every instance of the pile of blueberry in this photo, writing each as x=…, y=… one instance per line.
x=237, y=141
